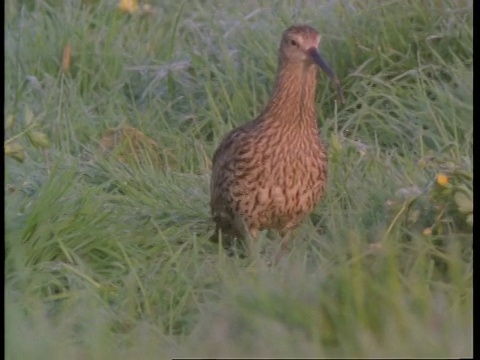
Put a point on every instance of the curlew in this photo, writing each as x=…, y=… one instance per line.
x=271, y=172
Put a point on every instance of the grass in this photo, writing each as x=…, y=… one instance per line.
x=110, y=260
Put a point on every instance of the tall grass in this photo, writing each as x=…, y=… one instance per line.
x=106, y=260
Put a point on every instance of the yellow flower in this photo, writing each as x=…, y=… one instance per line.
x=427, y=231
x=442, y=179
x=130, y=6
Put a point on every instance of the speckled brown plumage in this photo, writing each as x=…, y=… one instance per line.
x=271, y=172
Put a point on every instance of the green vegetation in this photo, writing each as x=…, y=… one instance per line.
x=108, y=260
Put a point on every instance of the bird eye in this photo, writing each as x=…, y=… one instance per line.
x=293, y=43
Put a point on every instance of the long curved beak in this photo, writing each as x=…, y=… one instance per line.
x=317, y=58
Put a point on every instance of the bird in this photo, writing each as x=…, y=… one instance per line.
x=271, y=172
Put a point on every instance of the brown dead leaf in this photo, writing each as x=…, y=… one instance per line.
x=15, y=150
x=67, y=57
x=131, y=146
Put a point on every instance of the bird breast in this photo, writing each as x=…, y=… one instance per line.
x=279, y=180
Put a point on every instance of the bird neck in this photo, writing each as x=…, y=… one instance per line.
x=293, y=99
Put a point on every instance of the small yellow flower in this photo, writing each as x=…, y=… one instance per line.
x=130, y=6
x=427, y=231
x=442, y=179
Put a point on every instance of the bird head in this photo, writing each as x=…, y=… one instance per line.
x=300, y=45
